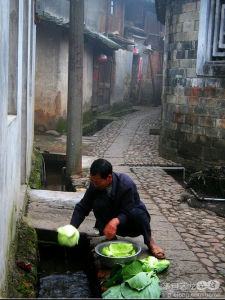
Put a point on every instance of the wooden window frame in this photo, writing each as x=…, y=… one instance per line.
x=210, y=55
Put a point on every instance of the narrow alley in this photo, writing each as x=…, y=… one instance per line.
x=140, y=83
x=193, y=239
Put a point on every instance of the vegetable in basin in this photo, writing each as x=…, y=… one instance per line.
x=118, y=250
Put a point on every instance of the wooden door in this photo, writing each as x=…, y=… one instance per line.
x=102, y=84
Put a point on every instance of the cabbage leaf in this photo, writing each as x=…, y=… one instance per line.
x=151, y=263
x=136, y=279
x=131, y=269
x=113, y=293
x=143, y=285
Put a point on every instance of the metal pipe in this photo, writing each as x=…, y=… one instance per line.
x=175, y=168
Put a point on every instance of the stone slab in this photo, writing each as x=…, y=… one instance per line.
x=55, y=198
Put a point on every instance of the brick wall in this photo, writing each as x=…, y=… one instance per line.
x=193, y=118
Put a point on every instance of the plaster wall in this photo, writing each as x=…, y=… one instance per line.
x=87, y=77
x=95, y=15
x=11, y=132
x=122, y=76
x=51, y=81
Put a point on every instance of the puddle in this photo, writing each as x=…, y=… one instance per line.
x=66, y=272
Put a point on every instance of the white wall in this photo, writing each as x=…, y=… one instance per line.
x=51, y=82
x=12, y=155
x=87, y=77
x=123, y=71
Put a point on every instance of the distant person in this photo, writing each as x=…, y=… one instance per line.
x=116, y=205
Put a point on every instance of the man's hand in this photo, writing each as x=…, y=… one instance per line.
x=111, y=228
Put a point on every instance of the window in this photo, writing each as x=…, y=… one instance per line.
x=112, y=7
x=211, y=41
x=219, y=30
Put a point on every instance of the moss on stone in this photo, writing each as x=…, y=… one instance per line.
x=88, y=117
x=61, y=126
x=35, y=180
x=22, y=284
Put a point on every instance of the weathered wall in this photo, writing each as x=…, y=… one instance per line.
x=115, y=21
x=51, y=82
x=142, y=25
x=95, y=15
x=87, y=77
x=122, y=76
x=11, y=126
x=96, y=12
x=193, y=106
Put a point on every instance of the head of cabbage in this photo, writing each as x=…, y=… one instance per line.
x=68, y=235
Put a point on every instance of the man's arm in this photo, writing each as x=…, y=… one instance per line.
x=82, y=208
x=127, y=201
x=126, y=204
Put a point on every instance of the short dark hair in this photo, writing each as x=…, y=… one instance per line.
x=102, y=167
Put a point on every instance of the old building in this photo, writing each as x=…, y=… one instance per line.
x=142, y=26
x=193, y=100
x=17, y=67
x=104, y=82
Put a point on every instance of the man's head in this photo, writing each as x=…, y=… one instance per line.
x=101, y=173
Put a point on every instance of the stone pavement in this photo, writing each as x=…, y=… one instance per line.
x=193, y=239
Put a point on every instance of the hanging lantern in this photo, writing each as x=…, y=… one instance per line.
x=102, y=59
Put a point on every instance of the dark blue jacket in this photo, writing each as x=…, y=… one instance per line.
x=122, y=199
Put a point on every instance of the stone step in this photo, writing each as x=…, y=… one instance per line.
x=55, y=198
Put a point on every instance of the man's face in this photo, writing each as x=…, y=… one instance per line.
x=99, y=182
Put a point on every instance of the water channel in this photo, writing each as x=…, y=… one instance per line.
x=66, y=272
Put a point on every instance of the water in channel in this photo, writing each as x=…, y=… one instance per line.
x=66, y=272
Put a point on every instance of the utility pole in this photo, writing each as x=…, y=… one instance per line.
x=75, y=89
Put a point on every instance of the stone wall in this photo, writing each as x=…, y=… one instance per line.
x=193, y=117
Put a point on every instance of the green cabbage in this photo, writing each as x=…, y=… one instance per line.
x=142, y=285
x=136, y=279
x=118, y=250
x=151, y=263
x=68, y=235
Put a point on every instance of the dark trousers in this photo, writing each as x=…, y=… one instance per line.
x=138, y=223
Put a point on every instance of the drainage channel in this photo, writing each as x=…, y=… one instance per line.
x=55, y=173
x=66, y=272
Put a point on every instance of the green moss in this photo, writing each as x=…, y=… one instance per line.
x=36, y=170
x=25, y=290
x=117, y=107
x=11, y=222
x=32, y=232
x=88, y=117
x=22, y=284
x=61, y=126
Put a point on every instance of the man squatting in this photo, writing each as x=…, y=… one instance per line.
x=116, y=205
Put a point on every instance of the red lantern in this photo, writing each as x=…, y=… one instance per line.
x=102, y=59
